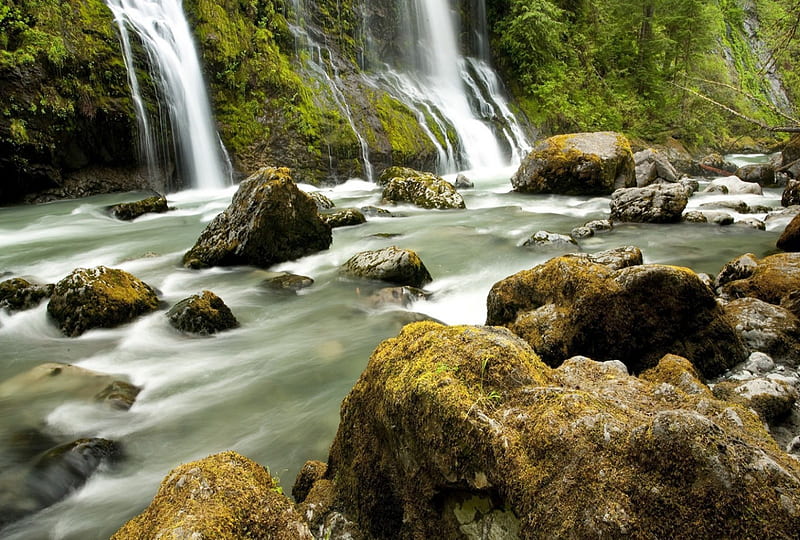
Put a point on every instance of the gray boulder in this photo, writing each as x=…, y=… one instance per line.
x=577, y=164
x=391, y=264
x=653, y=167
x=269, y=221
x=657, y=203
x=343, y=218
x=425, y=190
x=733, y=185
x=760, y=173
x=766, y=328
x=545, y=239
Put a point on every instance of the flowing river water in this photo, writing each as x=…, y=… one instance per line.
x=272, y=388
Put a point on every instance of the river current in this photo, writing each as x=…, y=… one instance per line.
x=272, y=388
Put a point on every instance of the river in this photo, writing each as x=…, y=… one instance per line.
x=271, y=389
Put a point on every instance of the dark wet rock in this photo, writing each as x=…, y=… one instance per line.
x=269, y=221
x=322, y=202
x=653, y=167
x=311, y=472
x=130, y=211
x=753, y=223
x=454, y=429
x=572, y=306
x=695, y=216
x=741, y=267
x=222, y=496
x=658, y=203
x=760, y=173
x=203, y=314
x=773, y=278
x=577, y=164
x=99, y=297
x=391, y=264
x=343, y=218
x=715, y=165
x=733, y=185
x=616, y=259
x=374, y=211
x=791, y=301
x=548, y=240
x=288, y=282
x=400, y=296
x=18, y=294
x=791, y=193
x=766, y=328
x=771, y=399
x=462, y=182
x=425, y=190
x=720, y=218
x=789, y=239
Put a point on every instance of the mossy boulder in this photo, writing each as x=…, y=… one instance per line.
x=462, y=432
x=657, y=203
x=766, y=328
x=572, y=306
x=615, y=259
x=99, y=297
x=771, y=279
x=577, y=164
x=18, y=294
x=772, y=399
x=391, y=264
x=422, y=189
x=203, y=314
x=156, y=204
x=269, y=221
x=343, y=218
x=225, y=496
x=790, y=237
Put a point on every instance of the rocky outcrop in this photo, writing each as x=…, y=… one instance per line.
x=653, y=167
x=422, y=189
x=571, y=306
x=269, y=221
x=391, y=264
x=99, y=298
x=130, y=211
x=461, y=432
x=18, y=294
x=577, y=164
x=222, y=496
x=203, y=314
x=657, y=203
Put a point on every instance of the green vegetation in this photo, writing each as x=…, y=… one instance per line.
x=634, y=66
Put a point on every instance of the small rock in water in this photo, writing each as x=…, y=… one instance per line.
x=695, y=216
x=599, y=225
x=203, y=314
x=18, y=294
x=551, y=240
x=392, y=264
x=581, y=232
x=759, y=363
x=402, y=296
x=374, y=211
x=130, y=211
x=462, y=182
x=344, y=218
x=288, y=282
x=323, y=202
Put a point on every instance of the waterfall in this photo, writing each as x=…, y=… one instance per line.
x=173, y=62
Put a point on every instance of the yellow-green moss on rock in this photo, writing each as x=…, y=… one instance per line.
x=447, y=415
x=225, y=497
x=771, y=279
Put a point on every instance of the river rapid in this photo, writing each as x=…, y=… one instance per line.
x=272, y=388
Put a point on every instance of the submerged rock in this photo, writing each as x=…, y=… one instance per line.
x=203, y=314
x=571, y=305
x=99, y=297
x=288, y=282
x=456, y=432
x=18, y=294
x=577, y=164
x=130, y=211
x=222, y=496
x=392, y=264
x=344, y=218
x=545, y=239
x=657, y=203
x=269, y=221
x=425, y=190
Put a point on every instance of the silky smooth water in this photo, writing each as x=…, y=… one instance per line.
x=272, y=388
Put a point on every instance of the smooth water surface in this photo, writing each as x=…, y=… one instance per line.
x=272, y=388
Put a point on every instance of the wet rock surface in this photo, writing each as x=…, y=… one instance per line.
x=18, y=294
x=130, y=211
x=422, y=189
x=657, y=203
x=202, y=314
x=391, y=264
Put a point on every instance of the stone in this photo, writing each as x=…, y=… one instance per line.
x=658, y=203
x=759, y=173
x=391, y=264
x=572, y=306
x=740, y=207
x=695, y=216
x=577, y=164
x=311, y=472
x=399, y=296
x=715, y=165
x=599, y=225
x=269, y=221
x=343, y=218
x=18, y=294
x=733, y=185
x=753, y=223
x=425, y=190
x=322, y=201
x=374, y=211
x=454, y=427
x=545, y=239
x=771, y=399
x=288, y=282
x=741, y=267
x=130, y=211
x=462, y=182
x=790, y=237
x=652, y=166
x=99, y=297
x=202, y=314
x=759, y=363
x=222, y=496
x=581, y=232
x=773, y=278
x=617, y=258
x=791, y=193
x=767, y=328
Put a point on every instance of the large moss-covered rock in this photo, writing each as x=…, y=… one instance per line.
x=18, y=294
x=269, y=221
x=99, y=297
x=570, y=306
x=203, y=314
x=392, y=264
x=422, y=189
x=577, y=164
x=462, y=432
x=225, y=496
x=657, y=203
x=771, y=279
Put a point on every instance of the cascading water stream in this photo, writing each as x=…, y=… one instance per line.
x=164, y=33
